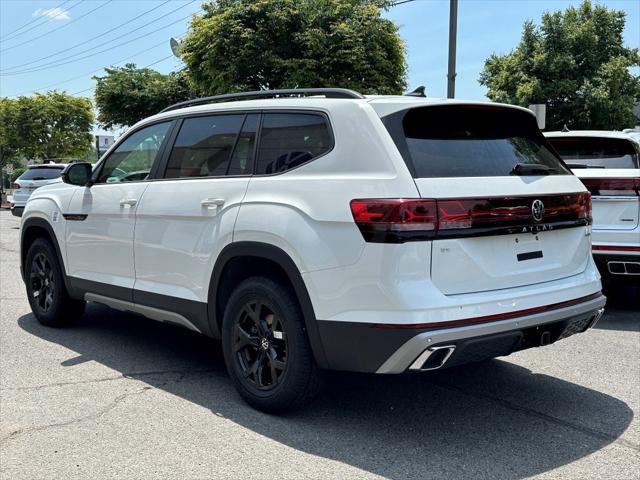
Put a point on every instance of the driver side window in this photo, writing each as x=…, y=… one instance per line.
x=133, y=159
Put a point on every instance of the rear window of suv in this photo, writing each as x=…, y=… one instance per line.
x=471, y=141
x=41, y=173
x=596, y=152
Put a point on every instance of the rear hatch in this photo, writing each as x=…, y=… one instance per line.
x=616, y=197
x=509, y=212
x=34, y=178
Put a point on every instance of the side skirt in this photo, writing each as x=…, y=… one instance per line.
x=164, y=308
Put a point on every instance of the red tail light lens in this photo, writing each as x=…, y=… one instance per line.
x=399, y=220
x=395, y=220
x=613, y=186
x=15, y=186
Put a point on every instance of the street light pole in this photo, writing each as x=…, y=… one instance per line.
x=453, y=31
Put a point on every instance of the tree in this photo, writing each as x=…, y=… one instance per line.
x=51, y=125
x=576, y=63
x=239, y=45
x=128, y=94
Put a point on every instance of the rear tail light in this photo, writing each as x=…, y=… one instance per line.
x=627, y=187
x=400, y=220
x=15, y=186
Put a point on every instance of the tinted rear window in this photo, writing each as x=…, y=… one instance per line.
x=41, y=173
x=596, y=151
x=469, y=141
x=291, y=139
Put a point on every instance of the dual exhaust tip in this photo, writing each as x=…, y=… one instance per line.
x=623, y=268
x=434, y=358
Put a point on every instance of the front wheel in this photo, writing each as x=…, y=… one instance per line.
x=266, y=349
x=48, y=297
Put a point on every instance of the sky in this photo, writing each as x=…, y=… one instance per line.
x=61, y=44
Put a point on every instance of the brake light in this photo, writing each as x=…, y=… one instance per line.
x=399, y=220
x=15, y=186
x=613, y=186
x=394, y=220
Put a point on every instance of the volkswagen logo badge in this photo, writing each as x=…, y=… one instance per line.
x=537, y=210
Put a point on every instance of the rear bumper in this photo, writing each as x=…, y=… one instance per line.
x=17, y=211
x=368, y=348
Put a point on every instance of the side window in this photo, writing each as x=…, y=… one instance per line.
x=203, y=146
x=291, y=139
x=133, y=159
x=242, y=158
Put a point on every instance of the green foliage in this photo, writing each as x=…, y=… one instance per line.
x=128, y=94
x=51, y=125
x=239, y=45
x=576, y=63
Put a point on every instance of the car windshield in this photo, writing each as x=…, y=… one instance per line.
x=472, y=141
x=41, y=173
x=599, y=152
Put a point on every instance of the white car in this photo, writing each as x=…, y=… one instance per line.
x=324, y=230
x=34, y=177
x=608, y=163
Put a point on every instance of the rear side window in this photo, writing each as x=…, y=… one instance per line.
x=41, y=173
x=471, y=141
x=596, y=152
x=291, y=139
x=203, y=146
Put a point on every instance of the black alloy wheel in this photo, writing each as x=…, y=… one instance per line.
x=43, y=284
x=260, y=345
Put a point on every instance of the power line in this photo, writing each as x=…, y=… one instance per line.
x=128, y=58
x=43, y=67
x=40, y=19
x=89, y=40
x=146, y=66
x=59, y=28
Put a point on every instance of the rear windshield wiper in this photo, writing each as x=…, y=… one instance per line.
x=531, y=169
x=582, y=165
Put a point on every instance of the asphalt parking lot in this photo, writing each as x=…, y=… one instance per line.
x=119, y=396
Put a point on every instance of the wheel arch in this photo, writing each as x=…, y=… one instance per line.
x=32, y=229
x=241, y=260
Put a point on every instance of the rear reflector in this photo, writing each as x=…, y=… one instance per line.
x=489, y=318
x=400, y=220
x=627, y=187
x=616, y=248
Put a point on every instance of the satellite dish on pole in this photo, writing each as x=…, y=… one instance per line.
x=175, y=46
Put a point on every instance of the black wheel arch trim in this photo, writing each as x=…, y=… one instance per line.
x=281, y=258
x=38, y=222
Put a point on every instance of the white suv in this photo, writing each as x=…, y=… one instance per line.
x=34, y=177
x=608, y=163
x=323, y=229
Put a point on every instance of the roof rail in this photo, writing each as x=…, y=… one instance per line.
x=290, y=92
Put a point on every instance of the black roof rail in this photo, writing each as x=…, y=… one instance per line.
x=289, y=92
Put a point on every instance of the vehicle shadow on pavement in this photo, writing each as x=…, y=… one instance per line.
x=624, y=301
x=493, y=420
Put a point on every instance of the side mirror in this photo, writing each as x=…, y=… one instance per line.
x=77, y=174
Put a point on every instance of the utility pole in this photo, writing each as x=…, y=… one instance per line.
x=453, y=31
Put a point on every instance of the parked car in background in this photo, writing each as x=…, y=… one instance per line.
x=608, y=163
x=33, y=178
x=324, y=229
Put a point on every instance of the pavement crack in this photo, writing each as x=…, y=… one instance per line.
x=93, y=416
x=544, y=416
x=133, y=375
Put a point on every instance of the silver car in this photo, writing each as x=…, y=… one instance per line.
x=34, y=177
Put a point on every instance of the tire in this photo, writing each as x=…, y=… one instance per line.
x=266, y=343
x=46, y=291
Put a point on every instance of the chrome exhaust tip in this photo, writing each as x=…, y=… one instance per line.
x=616, y=267
x=433, y=358
x=596, y=317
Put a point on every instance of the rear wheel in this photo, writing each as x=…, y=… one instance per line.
x=266, y=349
x=48, y=296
